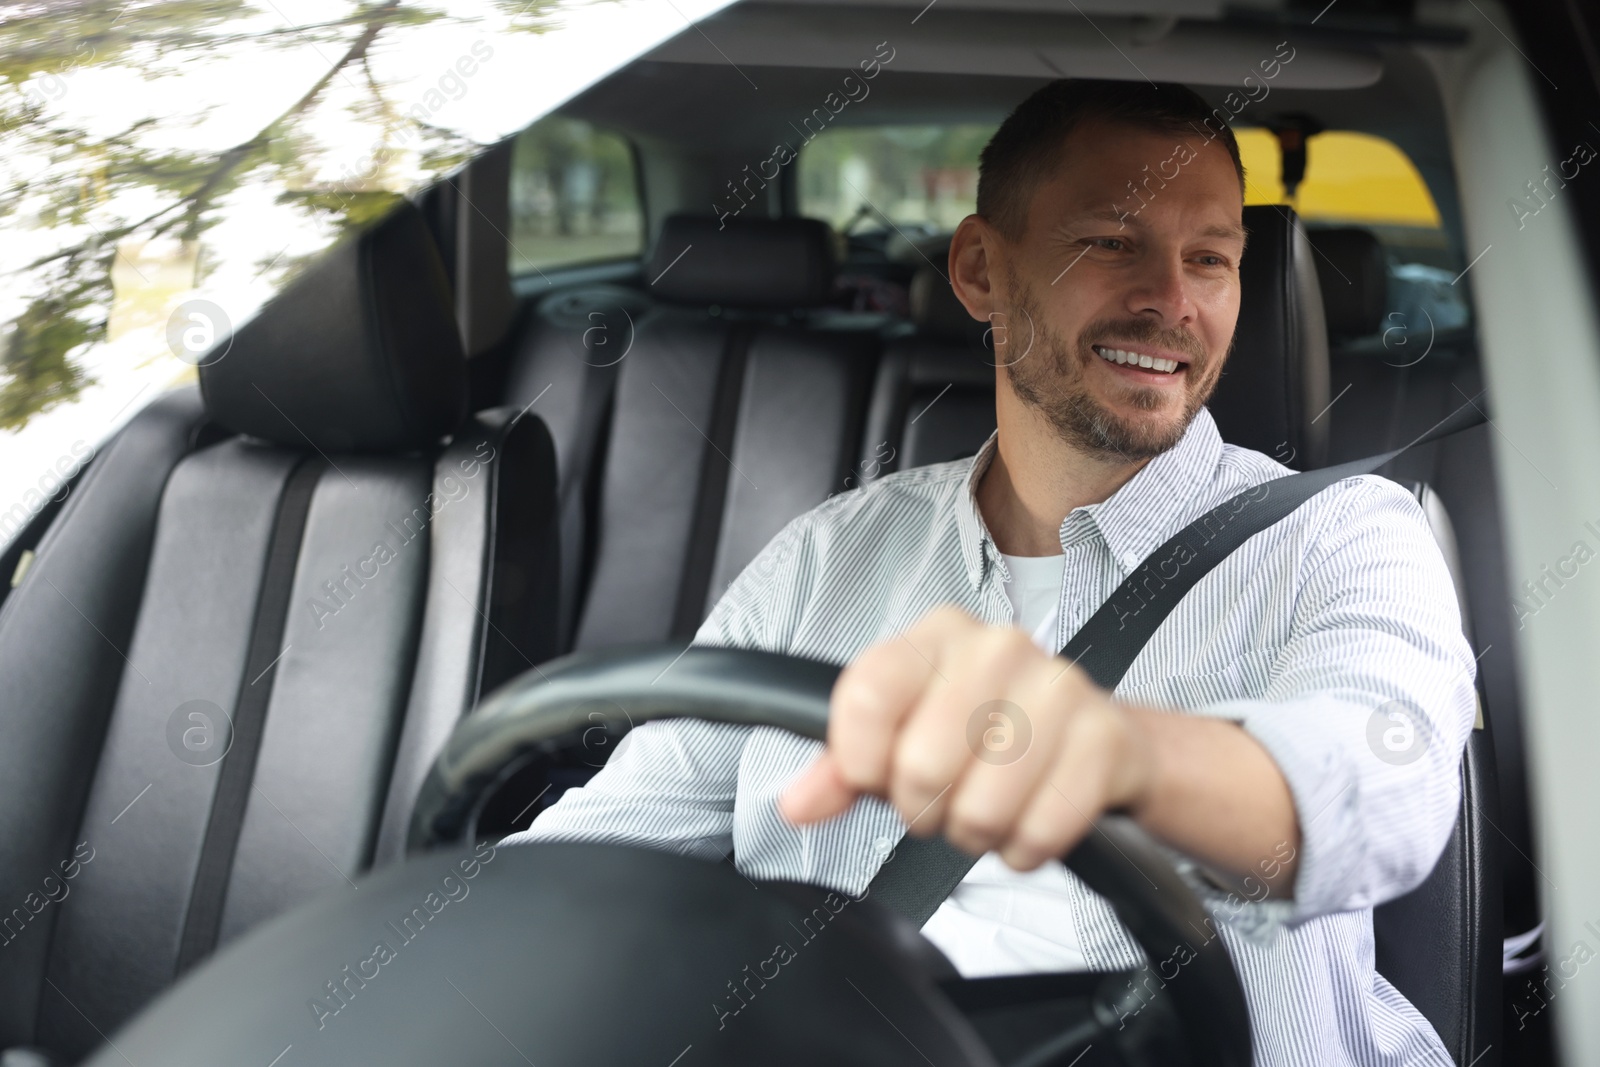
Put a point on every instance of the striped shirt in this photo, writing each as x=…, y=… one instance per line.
x=1334, y=638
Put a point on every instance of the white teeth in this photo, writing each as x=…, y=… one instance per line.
x=1117, y=355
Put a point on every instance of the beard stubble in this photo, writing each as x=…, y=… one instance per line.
x=1050, y=379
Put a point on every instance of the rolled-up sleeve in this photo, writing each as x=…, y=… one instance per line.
x=671, y=784
x=1368, y=707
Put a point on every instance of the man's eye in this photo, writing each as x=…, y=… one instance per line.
x=1213, y=261
x=1110, y=244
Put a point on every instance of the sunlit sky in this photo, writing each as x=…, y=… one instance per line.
x=222, y=97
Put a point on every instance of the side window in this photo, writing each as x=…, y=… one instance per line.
x=1358, y=180
x=574, y=196
x=1351, y=179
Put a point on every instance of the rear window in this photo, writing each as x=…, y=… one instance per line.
x=918, y=179
x=574, y=197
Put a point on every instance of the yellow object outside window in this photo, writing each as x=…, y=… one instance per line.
x=1350, y=177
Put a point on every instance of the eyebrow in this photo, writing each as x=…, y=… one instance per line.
x=1112, y=215
x=1236, y=232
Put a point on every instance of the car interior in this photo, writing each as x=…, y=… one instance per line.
x=442, y=459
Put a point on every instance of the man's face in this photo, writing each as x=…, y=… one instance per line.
x=1108, y=276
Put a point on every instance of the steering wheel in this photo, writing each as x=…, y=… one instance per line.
x=590, y=953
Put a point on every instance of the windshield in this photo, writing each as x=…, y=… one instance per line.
x=164, y=170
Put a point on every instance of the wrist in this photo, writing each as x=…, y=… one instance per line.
x=1137, y=775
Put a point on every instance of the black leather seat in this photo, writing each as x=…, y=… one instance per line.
x=738, y=406
x=733, y=411
x=291, y=548
x=934, y=401
x=1440, y=944
x=1393, y=390
x=1353, y=278
x=564, y=358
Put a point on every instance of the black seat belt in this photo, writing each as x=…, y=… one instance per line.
x=923, y=871
x=229, y=802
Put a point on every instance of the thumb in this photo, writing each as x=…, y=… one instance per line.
x=819, y=793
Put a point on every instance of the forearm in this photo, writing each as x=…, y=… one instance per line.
x=1215, y=794
x=671, y=788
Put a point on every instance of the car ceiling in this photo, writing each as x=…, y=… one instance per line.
x=1029, y=43
x=736, y=82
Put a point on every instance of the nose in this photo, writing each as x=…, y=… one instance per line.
x=1162, y=291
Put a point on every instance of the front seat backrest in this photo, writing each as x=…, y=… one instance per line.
x=313, y=590
x=1273, y=393
x=1439, y=945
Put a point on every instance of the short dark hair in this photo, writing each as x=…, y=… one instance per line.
x=1028, y=143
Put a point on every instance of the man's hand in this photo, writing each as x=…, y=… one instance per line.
x=975, y=732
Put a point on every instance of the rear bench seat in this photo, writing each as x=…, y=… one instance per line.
x=563, y=364
x=734, y=410
x=739, y=405
x=934, y=396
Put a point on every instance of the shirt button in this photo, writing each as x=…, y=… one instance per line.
x=1130, y=560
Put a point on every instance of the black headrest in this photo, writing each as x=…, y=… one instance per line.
x=936, y=312
x=1354, y=279
x=359, y=354
x=1274, y=386
x=742, y=262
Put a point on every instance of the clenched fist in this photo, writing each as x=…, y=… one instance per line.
x=974, y=732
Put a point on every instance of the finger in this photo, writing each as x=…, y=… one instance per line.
x=1071, y=797
x=1014, y=742
x=875, y=694
x=819, y=793
x=940, y=742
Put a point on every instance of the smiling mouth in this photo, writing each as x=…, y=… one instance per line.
x=1135, y=359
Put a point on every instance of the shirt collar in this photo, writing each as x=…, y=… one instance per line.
x=1133, y=521
x=976, y=544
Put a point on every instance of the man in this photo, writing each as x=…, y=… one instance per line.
x=946, y=590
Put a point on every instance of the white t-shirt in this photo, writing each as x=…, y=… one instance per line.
x=1001, y=921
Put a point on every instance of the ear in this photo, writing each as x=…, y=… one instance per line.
x=974, y=261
